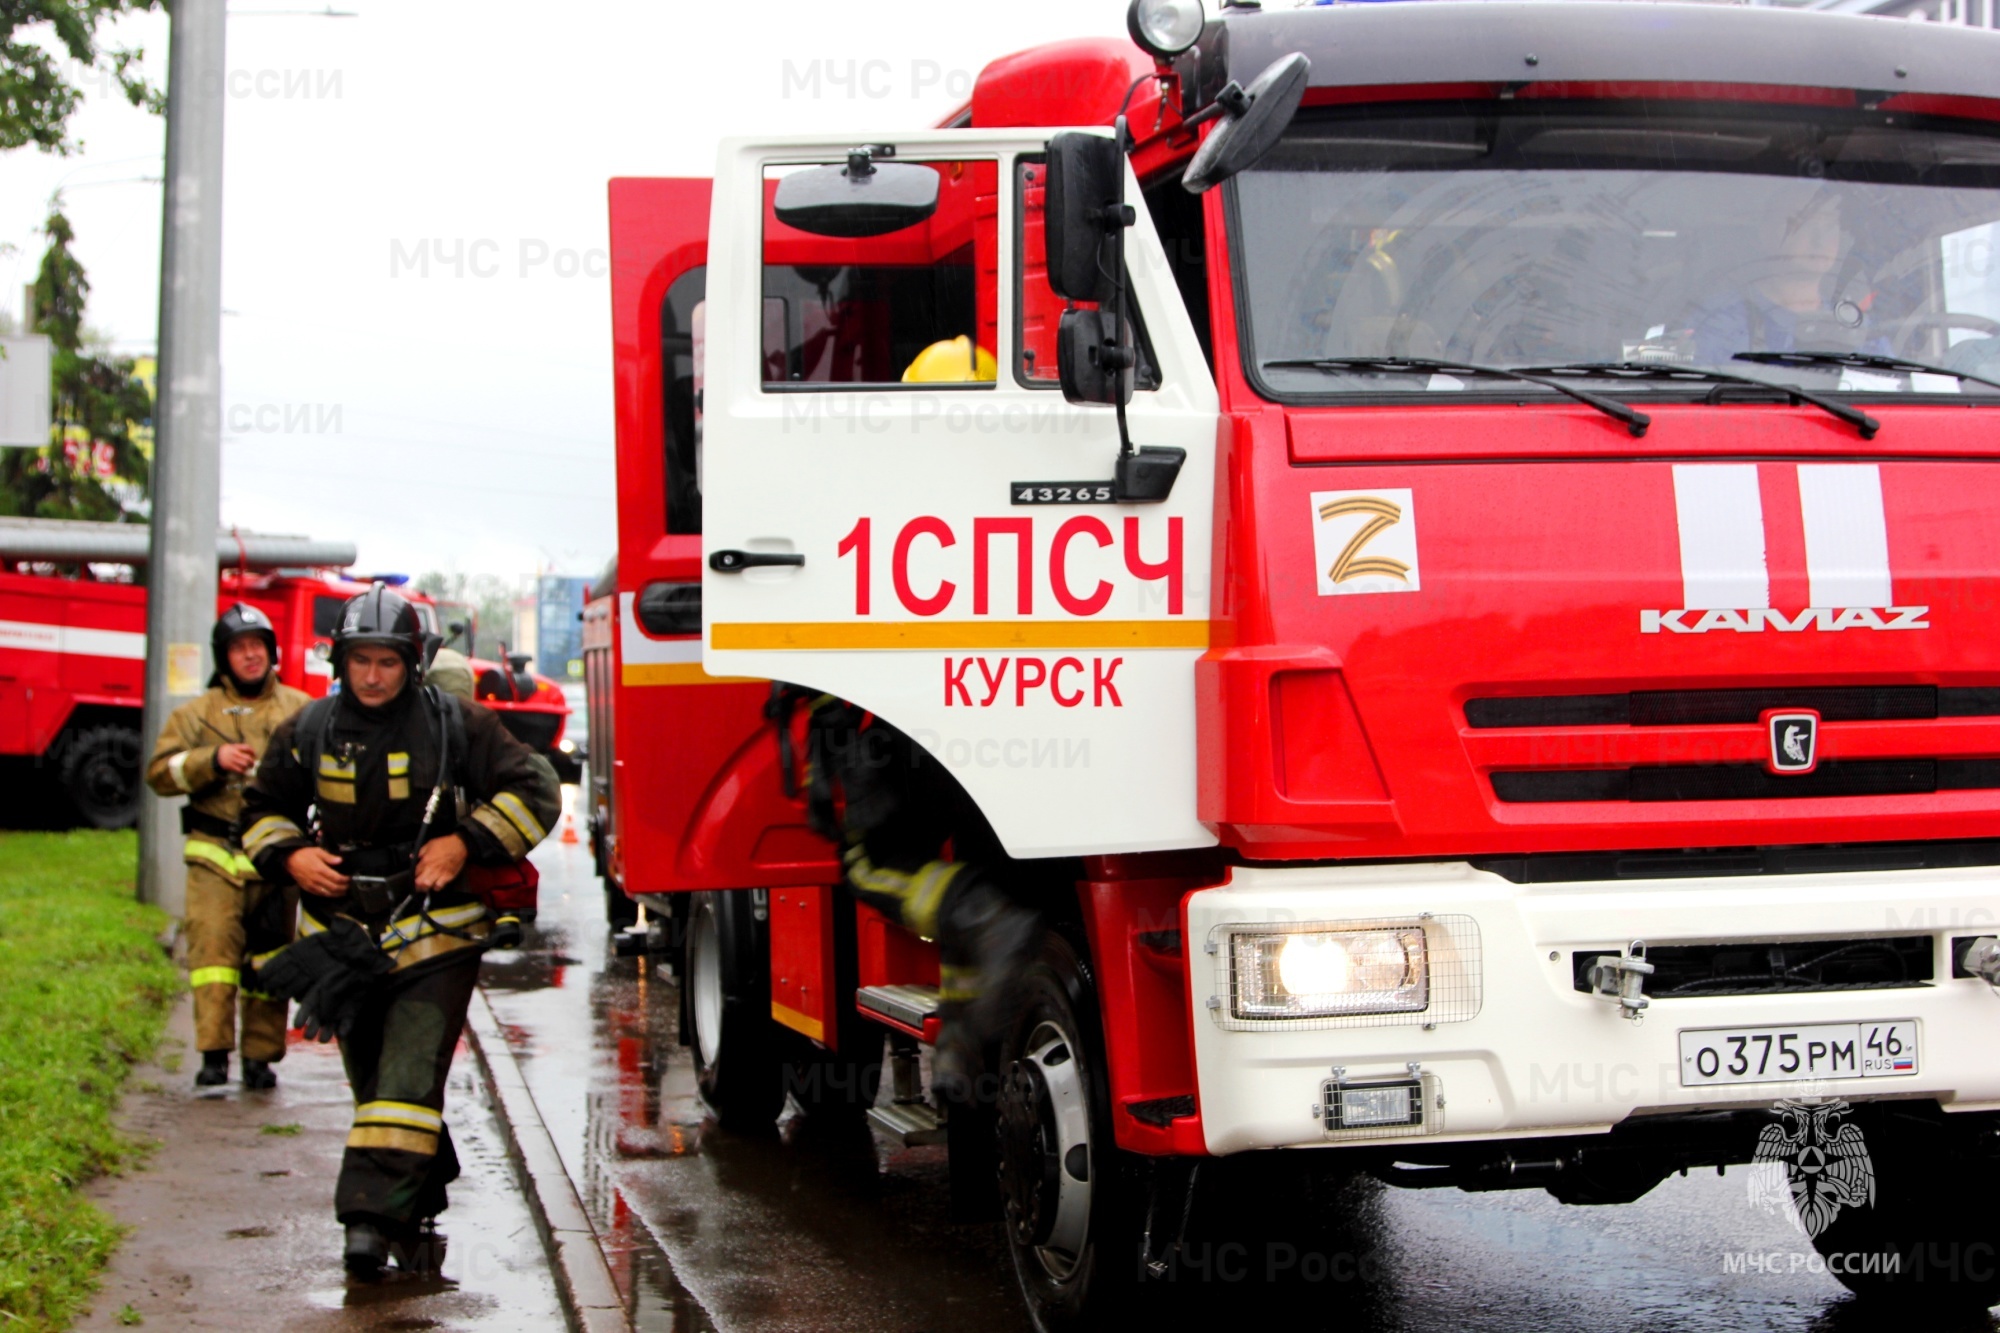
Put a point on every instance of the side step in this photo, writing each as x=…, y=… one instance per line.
x=909, y=1118
x=905, y=1006
x=915, y=1123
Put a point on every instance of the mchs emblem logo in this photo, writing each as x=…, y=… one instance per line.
x=1794, y=737
x=1810, y=1164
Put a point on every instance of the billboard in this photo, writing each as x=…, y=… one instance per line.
x=24, y=390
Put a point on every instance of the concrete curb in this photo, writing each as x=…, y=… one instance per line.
x=583, y=1277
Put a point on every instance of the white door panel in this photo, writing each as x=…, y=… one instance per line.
x=1069, y=719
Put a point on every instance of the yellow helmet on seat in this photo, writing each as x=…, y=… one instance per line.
x=952, y=361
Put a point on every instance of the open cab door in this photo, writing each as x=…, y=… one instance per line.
x=696, y=802
x=903, y=510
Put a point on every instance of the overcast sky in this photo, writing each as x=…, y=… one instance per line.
x=458, y=421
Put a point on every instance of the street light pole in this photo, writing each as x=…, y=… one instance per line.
x=187, y=455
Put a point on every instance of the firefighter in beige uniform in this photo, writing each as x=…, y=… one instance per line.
x=208, y=752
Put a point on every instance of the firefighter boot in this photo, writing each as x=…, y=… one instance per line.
x=955, y=1060
x=986, y=941
x=214, y=1069
x=992, y=939
x=419, y=1250
x=257, y=1075
x=367, y=1250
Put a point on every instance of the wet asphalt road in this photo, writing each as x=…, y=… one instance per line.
x=710, y=1230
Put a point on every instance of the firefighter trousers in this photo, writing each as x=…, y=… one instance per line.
x=223, y=912
x=399, y=1154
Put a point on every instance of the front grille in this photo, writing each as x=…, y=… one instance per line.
x=1669, y=708
x=1749, y=968
x=1707, y=862
x=1747, y=782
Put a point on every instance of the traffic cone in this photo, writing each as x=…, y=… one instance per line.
x=569, y=828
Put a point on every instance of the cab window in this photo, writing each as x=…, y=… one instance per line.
x=915, y=307
x=680, y=368
x=326, y=616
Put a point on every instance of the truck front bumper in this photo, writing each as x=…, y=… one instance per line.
x=1507, y=1047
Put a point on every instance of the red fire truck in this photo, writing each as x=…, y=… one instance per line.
x=1460, y=540
x=73, y=651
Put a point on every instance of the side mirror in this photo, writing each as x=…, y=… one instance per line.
x=863, y=198
x=1095, y=358
x=1086, y=176
x=1084, y=222
x=1253, y=119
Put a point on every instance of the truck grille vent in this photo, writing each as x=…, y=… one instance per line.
x=1748, y=782
x=1709, y=862
x=1668, y=708
x=1737, y=968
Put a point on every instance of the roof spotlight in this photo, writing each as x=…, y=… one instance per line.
x=1165, y=28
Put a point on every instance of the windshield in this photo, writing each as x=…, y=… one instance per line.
x=1547, y=237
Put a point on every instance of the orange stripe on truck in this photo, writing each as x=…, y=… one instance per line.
x=678, y=673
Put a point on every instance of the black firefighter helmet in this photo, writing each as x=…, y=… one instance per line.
x=237, y=621
x=384, y=617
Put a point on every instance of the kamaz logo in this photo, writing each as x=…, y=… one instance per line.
x=1793, y=749
x=1757, y=619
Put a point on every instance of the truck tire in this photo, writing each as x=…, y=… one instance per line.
x=1935, y=1179
x=738, y=1055
x=1072, y=1228
x=100, y=774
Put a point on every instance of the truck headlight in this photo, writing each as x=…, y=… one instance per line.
x=1325, y=973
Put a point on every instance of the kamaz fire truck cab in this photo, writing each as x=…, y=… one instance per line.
x=1511, y=696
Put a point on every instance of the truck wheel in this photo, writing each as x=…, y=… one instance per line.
x=1932, y=1221
x=100, y=772
x=738, y=1061
x=1071, y=1232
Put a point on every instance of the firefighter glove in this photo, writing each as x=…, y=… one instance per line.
x=331, y=973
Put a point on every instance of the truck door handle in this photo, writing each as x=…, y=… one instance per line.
x=731, y=562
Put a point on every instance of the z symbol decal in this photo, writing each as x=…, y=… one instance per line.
x=1364, y=541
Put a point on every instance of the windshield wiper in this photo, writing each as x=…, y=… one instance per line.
x=1859, y=361
x=1635, y=421
x=1651, y=370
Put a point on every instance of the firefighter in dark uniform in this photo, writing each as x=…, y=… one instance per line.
x=374, y=802
x=893, y=809
x=207, y=752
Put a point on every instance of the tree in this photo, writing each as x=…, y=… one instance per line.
x=100, y=404
x=37, y=95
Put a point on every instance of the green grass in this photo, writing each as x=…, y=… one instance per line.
x=282, y=1131
x=84, y=989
